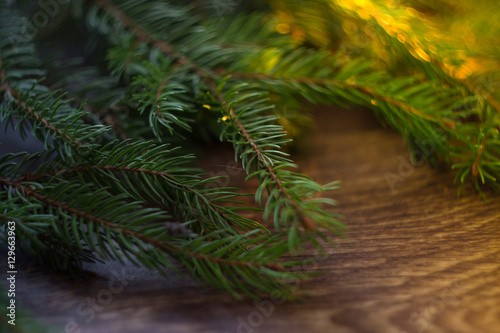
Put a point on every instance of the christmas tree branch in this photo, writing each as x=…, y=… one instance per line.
x=169, y=248
x=346, y=85
x=474, y=167
x=16, y=95
x=143, y=34
x=31, y=177
x=306, y=222
x=34, y=177
x=53, y=120
x=173, y=75
x=282, y=200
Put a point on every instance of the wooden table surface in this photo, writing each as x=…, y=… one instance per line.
x=417, y=258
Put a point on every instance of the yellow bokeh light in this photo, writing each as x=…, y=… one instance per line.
x=283, y=28
x=421, y=53
x=452, y=38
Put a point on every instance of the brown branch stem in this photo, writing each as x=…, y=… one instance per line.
x=367, y=90
x=16, y=95
x=35, y=177
x=145, y=35
x=475, y=170
x=169, y=248
x=306, y=222
x=157, y=97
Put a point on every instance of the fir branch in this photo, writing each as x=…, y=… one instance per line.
x=474, y=167
x=279, y=202
x=104, y=115
x=166, y=62
x=16, y=95
x=83, y=169
x=161, y=180
x=161, y=87
x=143, y=34
x=35, y=177
x=306, y=222
x=344, y=84
x=53, y=120
x=169, y=248
x=34, y=234
x=160, y=91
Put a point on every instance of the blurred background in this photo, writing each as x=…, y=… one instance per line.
x=459, y=36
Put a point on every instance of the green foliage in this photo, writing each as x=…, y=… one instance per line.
x=113, y=180
x=257, y=141
x=409, y=84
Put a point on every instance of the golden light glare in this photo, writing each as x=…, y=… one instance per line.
x=283, y=28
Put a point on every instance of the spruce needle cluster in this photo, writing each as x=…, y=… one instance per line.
x=116, y=179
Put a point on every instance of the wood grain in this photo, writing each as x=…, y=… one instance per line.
x=417, y=259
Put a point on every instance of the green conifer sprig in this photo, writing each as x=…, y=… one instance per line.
x=52, y=118
x=99, y=202
x=291, y=205
x=90, y=195
x=90, y=216
x=257, y=142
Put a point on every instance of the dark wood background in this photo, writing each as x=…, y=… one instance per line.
x=417, y=259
